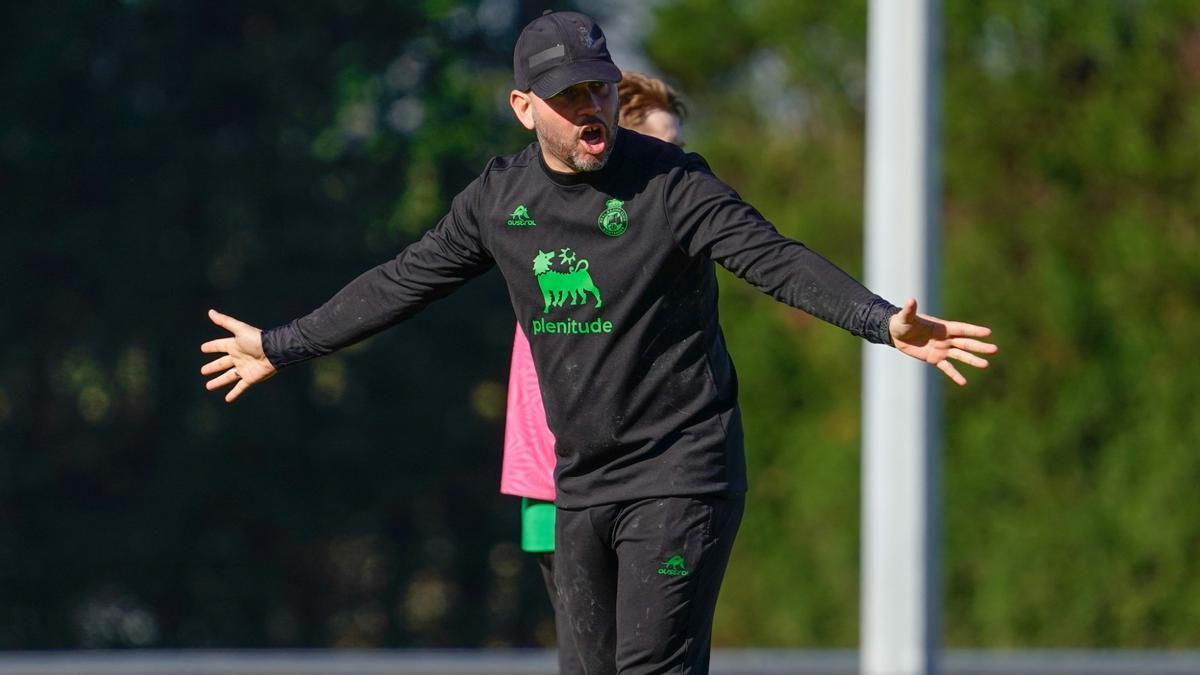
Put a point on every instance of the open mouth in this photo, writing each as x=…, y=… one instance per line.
x=593, y=137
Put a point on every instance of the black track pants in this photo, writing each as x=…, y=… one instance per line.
x=638, y=581
x=568, y=660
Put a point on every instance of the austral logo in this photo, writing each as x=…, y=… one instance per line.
x=673, y=567
x=613, y=221
x=557, y=285
x=520, y=217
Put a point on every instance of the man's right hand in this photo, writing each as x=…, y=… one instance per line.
x=243, y=365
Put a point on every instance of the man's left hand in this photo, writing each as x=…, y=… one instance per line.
x=934, y=341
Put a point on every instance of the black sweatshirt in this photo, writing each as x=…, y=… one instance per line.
x=611, y=277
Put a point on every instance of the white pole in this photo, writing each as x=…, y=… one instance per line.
x=900, y=587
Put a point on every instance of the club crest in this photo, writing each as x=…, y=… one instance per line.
x=613, y=221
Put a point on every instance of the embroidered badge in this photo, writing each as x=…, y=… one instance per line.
x=613, y=221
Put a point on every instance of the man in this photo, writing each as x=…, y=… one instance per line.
x=607, y=239
x=651, y=107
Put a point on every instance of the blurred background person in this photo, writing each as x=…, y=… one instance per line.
x=648, y=106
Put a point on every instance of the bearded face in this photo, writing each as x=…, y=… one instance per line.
x=577, y=126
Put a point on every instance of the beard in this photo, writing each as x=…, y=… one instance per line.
x=565, y=145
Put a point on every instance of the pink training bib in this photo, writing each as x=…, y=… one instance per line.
x=529, y=459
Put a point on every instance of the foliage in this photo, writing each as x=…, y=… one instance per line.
x=162, y=157
x=1070, y=163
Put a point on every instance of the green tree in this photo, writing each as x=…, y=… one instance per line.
x=1069, y=153
x=162, y=157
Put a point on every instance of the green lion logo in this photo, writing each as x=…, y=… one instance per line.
x=613, y=221
x=673, y=567
x=557, y=286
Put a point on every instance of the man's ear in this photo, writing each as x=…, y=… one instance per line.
x=522, y=105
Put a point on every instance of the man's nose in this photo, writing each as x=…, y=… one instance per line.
x=592, y=102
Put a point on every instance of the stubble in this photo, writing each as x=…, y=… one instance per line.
x=566, y=148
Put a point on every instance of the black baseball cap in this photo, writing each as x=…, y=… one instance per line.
x=561, y=49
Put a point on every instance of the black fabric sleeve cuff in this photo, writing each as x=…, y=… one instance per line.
x=877, y=318
x=285, y=345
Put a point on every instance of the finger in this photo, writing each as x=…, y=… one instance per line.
x=967, y=358
x=225, y=321
x=223, y=380
x=959, y=328
x=223, y=363
x=975, y=345
x=237, y=390
x=909, y=311
x=951, y=372
x=227, y=345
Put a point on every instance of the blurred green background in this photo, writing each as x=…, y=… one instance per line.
x=161, y=157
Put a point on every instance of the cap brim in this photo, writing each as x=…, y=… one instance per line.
x=556, y=79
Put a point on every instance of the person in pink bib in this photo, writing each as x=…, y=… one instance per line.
x=651, y=107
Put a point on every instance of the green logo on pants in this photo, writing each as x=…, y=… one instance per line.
x=673, y=567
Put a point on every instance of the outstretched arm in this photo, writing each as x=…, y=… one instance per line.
x=934, y=341
x=243, y=365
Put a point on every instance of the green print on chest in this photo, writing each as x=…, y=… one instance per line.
x=520, y=218
x=613, y=221
x=557, y=286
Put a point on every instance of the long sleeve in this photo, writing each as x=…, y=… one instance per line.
x=709, y=218
x=432, y=267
